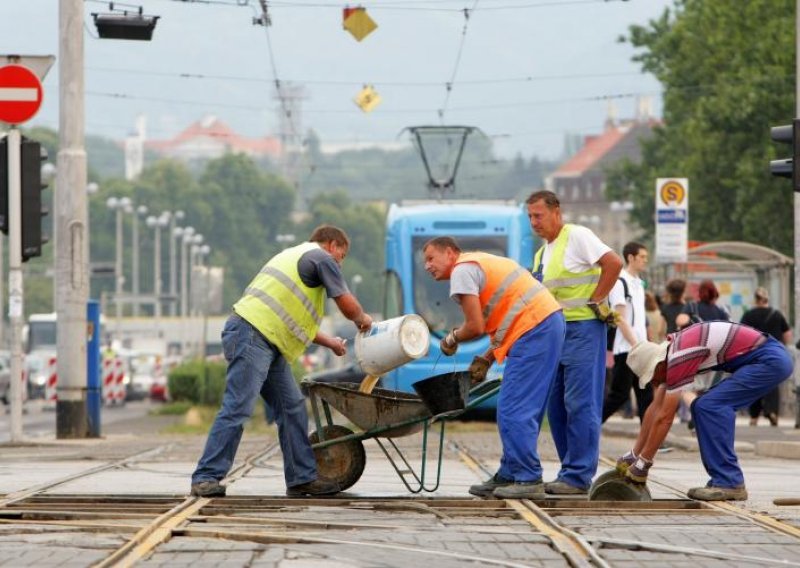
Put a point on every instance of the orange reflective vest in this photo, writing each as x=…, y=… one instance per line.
x=513, y=302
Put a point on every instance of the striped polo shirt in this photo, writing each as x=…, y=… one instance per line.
x=703, y=346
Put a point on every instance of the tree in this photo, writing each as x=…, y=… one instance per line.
x=727, y=69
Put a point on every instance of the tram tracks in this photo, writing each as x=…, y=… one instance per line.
x=584, y=549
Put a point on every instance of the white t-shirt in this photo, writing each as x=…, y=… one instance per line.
x=466, y=278
x=583, y=250
x=634, y=309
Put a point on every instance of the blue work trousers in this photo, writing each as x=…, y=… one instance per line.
x=714, y=413
x=575, y=409
x=530, y=368
x=255, y=366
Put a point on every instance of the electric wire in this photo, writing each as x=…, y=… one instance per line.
x=449, y=84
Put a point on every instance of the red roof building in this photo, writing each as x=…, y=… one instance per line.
x=212, y=138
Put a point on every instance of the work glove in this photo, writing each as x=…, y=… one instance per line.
x=449, y=344
x=478, y=369
x=604, y=313
x=625, y=462
x=637, y=472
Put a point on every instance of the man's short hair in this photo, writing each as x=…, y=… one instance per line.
x=550, y=199
x=675, y=288
x=631, y=248
x=442, y=243
x=328, y=233
x=762, y=294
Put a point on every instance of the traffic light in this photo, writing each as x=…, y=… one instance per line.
x=4, y=185
x=32, y=211
x=788, y=134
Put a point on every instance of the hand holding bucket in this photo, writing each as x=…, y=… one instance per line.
x=391, y=343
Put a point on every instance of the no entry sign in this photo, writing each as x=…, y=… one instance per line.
x=20, y=94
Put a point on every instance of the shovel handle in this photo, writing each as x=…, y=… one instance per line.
x=786, y=501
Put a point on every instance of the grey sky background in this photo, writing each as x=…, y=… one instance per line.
x=530, y=70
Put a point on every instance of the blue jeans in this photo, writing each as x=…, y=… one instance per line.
x=530, y=369
x=575, y=409
x=255, y=366
x=714, y=413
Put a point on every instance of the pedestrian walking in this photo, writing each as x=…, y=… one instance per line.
x=676, y=300
x=756, y=363
x=579, y=270
x=275, y=320
x=500, y=298
x=771, y=321
x=627, y=299
x=656, y=323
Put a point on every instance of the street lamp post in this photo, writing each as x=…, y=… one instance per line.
x=140, y=211
x=120, y=205
x=186, y=235
x=174, y=232
x=195, y=242
x=157, y=223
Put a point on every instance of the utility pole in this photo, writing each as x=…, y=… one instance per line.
x=70, y=227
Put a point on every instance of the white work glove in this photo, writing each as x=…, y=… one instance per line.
x=449, y=344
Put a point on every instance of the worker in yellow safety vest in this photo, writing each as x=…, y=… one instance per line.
x=526, y=327
x=580, y=270
x=273, y=322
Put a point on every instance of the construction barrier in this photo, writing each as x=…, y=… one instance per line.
x=50, y=386
x=109, y=381
x=119, y=382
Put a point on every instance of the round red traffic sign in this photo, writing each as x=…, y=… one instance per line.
x=20, y=94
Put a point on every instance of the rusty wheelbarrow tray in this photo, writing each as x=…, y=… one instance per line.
x=381, y=415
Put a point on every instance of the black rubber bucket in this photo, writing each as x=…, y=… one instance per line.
x=447, y=392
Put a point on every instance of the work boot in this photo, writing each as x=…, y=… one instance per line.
x=320, y=486
x=711, y=493
x=208, y=489
x=521, y=490
x=486, y=488
x=563, y=488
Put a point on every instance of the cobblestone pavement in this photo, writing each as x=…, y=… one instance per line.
x=376, y=523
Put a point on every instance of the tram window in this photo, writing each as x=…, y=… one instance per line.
x=393, y=296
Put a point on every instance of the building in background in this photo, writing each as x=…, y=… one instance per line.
x=580, y=182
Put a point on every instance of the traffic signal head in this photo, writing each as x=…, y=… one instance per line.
x=32, y=210
x=788, y=134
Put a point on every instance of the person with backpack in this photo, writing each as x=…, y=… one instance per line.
x=769, y=320
x=627, y=298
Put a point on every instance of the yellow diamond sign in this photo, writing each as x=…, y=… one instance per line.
x=358, y=22
x=367, y=99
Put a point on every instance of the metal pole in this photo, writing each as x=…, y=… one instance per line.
x=70, y=223
x=172, y=267
x=135, y=287
x=184, y=276
x=2, y=293
x=15, y=288
x=118, y=267
x=157, y=272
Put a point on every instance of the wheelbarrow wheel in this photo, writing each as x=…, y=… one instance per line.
x=343, y=462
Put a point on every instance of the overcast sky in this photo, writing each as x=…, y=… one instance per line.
x=529, y=71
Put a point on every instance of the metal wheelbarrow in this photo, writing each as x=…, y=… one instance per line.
x=383, y=415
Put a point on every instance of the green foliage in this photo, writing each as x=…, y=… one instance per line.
x=171, y=408
x=198, y=382
x=728, y=74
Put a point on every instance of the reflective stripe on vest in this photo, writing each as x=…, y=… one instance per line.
x=512, y=301
x=572, y=289
x=280, y=306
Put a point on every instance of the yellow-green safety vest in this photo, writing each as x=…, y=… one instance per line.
x=283, y=309
x=572, y=289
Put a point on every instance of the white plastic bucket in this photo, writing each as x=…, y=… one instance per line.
x=392, y=343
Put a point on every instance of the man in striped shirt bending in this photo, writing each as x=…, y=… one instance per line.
x=757, y=363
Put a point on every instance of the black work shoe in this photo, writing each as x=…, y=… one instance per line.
x=712, y=493
x=563, y=488
x=208, y=489
x=486, y=488
x=521, y=490
x=320, y=486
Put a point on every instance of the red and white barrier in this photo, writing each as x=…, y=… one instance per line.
x=50, y=393
x=109, y=382
x=119, y=382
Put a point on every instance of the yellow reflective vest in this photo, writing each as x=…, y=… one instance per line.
x=283, y=309
x=572, y=289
